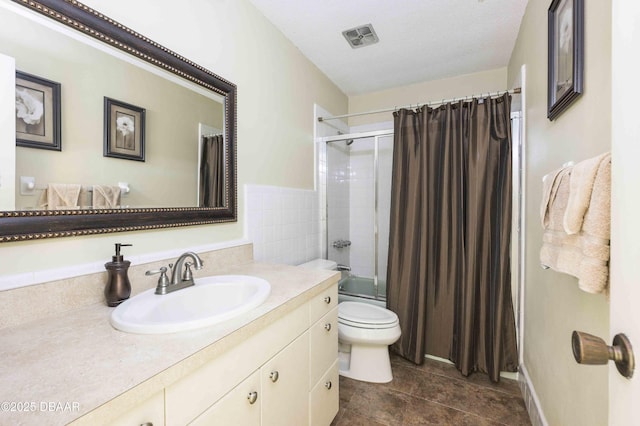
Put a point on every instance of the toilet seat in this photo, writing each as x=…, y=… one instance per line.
x=361, y=315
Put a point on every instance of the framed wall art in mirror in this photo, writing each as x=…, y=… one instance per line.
x=123, y=130
x=565, y=54
x=37, y=112
x=158, y=199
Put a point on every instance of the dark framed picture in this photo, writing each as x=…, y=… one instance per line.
x=123, y=130
x=37, y=112
x=565, y=54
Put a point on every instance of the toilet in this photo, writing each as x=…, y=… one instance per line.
x=365, y=332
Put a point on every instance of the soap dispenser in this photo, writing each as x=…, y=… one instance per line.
x=118, y=287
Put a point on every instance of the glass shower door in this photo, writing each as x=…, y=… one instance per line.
x=358, y=195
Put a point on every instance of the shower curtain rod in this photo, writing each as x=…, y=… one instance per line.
x=515, y=91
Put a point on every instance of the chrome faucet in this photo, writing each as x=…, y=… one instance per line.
x=179, y=280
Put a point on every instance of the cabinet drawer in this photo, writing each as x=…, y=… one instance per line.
x=235, y=407
x=150, y=411
x=323, y=345
x=323, y=303
x=193, y=394
x=324, y=398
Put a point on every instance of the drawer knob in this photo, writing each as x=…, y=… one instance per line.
x=252, y=397
x=328, y=385
x=274, y=376
x=327, y=326
x=327, y=299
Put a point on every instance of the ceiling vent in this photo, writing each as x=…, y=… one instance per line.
x=361, y=36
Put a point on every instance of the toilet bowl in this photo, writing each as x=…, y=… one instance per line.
x=365, y=332
x=364, y=335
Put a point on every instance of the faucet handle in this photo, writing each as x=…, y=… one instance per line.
x=163, y=281
x=188, y=275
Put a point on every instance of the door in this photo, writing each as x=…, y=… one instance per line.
x=624, y=394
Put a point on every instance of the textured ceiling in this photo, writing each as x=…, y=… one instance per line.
x=420, y=40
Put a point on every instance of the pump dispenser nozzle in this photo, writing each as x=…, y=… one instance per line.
x=118, y=257
x=118, y=288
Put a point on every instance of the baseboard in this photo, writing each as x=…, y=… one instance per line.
x=503, y=374
x=530, y=397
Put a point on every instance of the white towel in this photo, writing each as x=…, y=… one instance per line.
x=581, y=184
x=106, y=196
x=584, y=254
x=60, y=196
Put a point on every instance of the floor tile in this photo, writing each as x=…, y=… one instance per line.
x=431, y=394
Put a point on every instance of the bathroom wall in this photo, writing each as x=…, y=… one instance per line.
x=569, y=394
x=277, y=90
x=283, y=224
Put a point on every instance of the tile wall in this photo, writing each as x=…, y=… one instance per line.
x=283, y=224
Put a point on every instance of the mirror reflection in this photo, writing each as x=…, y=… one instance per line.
x=131, y=136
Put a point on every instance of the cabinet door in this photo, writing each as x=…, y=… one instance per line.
x=323, y=352
x=241, y=406
x=324, y=398
x=150, y=411
x=285, y=385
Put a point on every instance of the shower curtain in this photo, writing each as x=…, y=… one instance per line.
x=212, y=172
x=448, y=273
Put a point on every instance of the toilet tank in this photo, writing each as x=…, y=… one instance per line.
x=320, y=264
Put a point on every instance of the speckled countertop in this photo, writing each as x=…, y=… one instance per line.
x=64, y=367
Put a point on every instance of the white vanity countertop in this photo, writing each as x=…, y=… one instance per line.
x=54, y=370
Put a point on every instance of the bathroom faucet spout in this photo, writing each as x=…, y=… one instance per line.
x=177, y=277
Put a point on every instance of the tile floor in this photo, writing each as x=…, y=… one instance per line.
x=434, y=393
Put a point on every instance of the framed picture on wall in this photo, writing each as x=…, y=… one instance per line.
x=565, y=54
x=123, y=130
x=37, y=112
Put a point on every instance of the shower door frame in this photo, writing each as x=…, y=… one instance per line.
x=376, y=135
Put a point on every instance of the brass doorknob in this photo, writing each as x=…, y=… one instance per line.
x=590, y=349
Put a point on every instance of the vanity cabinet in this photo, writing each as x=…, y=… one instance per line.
x=276, y=377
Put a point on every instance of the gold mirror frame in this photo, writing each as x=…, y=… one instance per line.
x=39, y=224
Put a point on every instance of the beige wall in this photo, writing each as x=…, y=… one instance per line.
x=277, y=88
x=570, y=394
x=420, y=93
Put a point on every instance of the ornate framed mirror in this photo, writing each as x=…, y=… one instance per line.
x=172, y=155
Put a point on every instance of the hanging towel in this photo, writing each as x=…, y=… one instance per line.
x=584, y=254
x=581, y=186
x=60, y=196
x=106, y=196
x=550, y=185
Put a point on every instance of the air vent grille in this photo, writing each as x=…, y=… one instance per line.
x=361, y=36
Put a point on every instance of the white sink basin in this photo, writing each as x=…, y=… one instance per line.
x=210, y=301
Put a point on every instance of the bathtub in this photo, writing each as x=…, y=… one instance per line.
x=358, y=289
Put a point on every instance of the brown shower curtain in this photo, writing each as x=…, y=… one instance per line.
x=449, y=277
x=212, y=172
